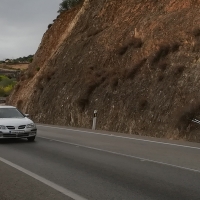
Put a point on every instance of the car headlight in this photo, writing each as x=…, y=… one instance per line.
x=2, y=127
x=30, y=125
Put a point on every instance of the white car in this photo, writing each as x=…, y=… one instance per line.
x=14, y=124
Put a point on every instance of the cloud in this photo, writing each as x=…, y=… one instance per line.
x=23, y=24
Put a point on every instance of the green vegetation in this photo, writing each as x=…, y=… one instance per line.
x=67, y=5
x=25, y=59
x=6, y=86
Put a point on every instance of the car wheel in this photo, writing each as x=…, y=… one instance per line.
x=31, y=139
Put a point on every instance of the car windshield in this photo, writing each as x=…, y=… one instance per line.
x=10, y=113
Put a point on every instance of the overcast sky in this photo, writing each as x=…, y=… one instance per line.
x=22, y=25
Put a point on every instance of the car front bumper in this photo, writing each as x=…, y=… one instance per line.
x=18, y=134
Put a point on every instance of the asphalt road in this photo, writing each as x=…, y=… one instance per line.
x=66, y=163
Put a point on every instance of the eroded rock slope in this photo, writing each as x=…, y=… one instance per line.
x=136, y=62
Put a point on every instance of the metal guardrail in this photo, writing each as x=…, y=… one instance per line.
x=2, y=100
x=196, y=121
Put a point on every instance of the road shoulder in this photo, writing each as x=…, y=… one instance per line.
x=16, y=185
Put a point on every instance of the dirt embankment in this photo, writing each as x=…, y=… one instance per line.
x=136, y=62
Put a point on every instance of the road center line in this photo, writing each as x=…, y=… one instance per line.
x=123, y=137
x=121, y=154
x=43, y=180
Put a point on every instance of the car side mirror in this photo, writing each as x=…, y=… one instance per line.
x=26, y=115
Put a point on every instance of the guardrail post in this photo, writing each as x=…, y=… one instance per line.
x=94, y=120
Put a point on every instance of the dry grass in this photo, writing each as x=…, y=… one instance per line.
x=82, y=103
x=143, y=104
x=162, y=66
x=40, y=85
x=179, y=70
x=49, y=75
x=175, y=47
x=21, y=66
x=196, y=47
x=130, y=43
x=93, y=32
x=22, y=77
x=161, y=77
x=163, y=51
x=114, y=82
x=90, y=86
x=19, y=104
x=196, y=32
x=130, y=73
x=122, y=50
x=30, y=74
x=17, y=87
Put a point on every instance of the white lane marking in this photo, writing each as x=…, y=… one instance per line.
x=43, y=180
x=123, y=137
x=125, y=155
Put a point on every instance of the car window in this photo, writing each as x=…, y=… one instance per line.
x=10, y=113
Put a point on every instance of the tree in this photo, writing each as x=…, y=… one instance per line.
x=67, y=5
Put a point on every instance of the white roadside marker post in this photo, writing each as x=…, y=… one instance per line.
x=94, y=120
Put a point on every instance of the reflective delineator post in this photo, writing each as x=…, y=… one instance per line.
x=94, y=120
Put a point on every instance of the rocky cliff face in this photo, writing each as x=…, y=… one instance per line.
x=136, y=62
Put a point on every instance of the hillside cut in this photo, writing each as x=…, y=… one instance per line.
x=135, y=61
